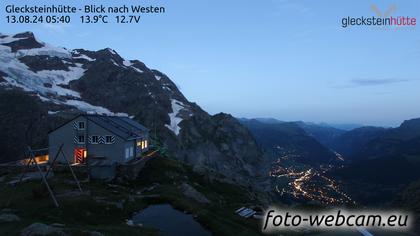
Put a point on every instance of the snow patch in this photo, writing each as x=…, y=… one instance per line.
x=47, y=83
x=13, y=83
x=177, y=106
x=9, y=39
x=60, y=91
x=52, y=112
x=62, y=76
x=20, y=75
x=47, y=50
x=112, y=51
x=127, y=63
x=158, y=77
x=137, y=69
x=113, y=62
x=91, y=109
x=82, y=56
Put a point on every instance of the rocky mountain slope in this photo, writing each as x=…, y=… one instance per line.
x=384, y=161
x=368, y=143
x=42, y=85
x=325, y=134
x=351, y=143
x=401, y=141
x=289, y=139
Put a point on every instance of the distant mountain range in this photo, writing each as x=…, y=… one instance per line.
x=325, y=134
x=367, y=142
x=384, y=160
x=340, y=126
x=282, y=139
x=376, y=142
x=379, y=162
x=351, y=143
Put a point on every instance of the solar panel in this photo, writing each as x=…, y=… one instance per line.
x=122, y=126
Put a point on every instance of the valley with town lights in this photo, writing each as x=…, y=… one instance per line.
x=307, y=184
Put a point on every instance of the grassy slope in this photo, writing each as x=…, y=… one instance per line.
x=84, y=213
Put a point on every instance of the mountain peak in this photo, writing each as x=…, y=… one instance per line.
x=409, y=129
x=412, y=123
x=21, y=41
x=27, y=34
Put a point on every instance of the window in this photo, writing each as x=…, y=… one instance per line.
x=81, y=139
x=140, y=144
x=80, y=155
x=127, y=153
x=95, y=139
x=109, y=139
x=81, y=125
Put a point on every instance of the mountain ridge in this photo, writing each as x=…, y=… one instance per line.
x=66, y=82
x=289, y=139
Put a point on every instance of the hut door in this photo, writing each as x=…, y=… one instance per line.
x=80, y=155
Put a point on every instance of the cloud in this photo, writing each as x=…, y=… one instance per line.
x=372, y=82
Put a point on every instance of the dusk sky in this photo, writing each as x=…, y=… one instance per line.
x=289, y=60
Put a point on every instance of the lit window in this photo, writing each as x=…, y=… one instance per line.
x=41, y=159
x=81, y=139
x=81, y=125
x=95, y=139
x=108, y=139
x=142, y=144
x=131, y=151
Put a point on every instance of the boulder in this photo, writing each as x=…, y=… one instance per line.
x=8, y=217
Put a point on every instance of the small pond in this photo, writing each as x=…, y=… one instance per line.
x=170, y=221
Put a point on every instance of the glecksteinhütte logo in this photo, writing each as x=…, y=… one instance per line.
x=381, y=19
